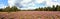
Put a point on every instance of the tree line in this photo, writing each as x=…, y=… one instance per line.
x=53, y=8
x=8, y=9
x=14, y=8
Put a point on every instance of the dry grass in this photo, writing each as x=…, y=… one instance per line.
x=32, y=15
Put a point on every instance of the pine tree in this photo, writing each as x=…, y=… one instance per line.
x=14, y=8
x=6, y=9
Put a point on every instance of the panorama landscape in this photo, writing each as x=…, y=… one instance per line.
x=29, y=9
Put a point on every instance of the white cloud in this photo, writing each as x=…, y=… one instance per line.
x=50, y=3
x=11, y=2
x=26, y=1
x=2, y=6
x=31, y=3
x=39, y=1
x=55, y=0
x=30, y=8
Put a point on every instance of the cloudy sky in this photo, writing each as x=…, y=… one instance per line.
x=3, y=3
x=28, y=4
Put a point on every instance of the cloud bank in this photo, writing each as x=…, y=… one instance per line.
x=32, y=4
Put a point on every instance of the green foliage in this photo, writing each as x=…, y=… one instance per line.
x=1, y=10
x=10, y=9
x=58, y=8
x=53, y=8
x=14, y=8
x=39, y=9
x=6, y=9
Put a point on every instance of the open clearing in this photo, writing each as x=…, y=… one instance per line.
x=31, y=15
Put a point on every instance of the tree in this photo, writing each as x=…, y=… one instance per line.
x=57, y=7
x=47, y=9
x=10, y=9
x=6, y=9
x=14, y=8
x=1, y=9
x=53, y=8
x=39, y=9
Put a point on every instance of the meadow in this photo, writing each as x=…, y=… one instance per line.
x=30, y=15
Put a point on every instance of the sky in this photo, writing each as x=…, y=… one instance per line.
x=28, y=4
x=3, y=3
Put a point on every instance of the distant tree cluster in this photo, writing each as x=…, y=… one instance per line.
x=14, y=8
x=8, y=9
x=53, y=8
